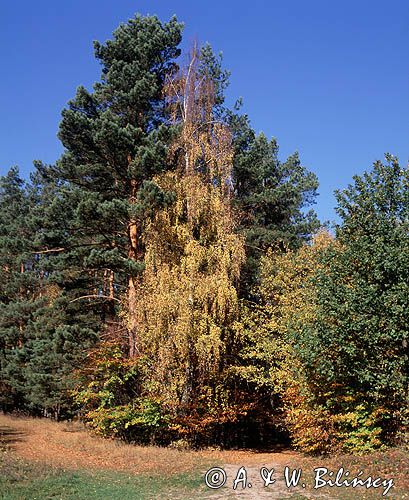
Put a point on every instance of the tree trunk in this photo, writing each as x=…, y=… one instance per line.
x=20, y=340
x=111, y=285
x=133, y=254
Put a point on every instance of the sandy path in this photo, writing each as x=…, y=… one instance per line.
x=256, y=487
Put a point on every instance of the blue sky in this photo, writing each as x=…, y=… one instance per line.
x=327, y=78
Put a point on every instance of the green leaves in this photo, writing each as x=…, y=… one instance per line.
x=354, y=345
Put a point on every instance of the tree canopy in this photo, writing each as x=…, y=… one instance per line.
x=168, y=279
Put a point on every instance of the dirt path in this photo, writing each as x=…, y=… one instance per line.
x=257, y=486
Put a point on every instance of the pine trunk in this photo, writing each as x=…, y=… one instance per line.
x=132, y=281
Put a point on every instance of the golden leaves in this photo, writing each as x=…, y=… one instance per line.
x=187, y=300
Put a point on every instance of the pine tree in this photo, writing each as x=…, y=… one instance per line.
x=16, y=290
x=115, y=141
x=42, y=335
x=271, y=195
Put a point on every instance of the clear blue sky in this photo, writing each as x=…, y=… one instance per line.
x=327, y=78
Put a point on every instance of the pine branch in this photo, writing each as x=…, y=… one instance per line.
x=94, y=296
x=50, y=250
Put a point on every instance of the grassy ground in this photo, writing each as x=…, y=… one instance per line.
x=28, y=481
x=392, y=463
x=41, y=459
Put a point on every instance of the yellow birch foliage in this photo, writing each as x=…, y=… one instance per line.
x=187, y=298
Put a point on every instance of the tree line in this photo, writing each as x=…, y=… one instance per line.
x=168, y=281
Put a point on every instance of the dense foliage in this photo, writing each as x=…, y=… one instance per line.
x=167, y=280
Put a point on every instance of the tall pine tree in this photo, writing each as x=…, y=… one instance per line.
x=115, y=141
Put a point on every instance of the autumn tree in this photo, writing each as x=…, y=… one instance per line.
x=188, y=299
x=340, y=309
x=288, y=294
x=185, y=304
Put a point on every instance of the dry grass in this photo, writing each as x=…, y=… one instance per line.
x=390, y=464
x=69, y=445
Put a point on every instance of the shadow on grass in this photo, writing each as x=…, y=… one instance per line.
x=9, y=436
